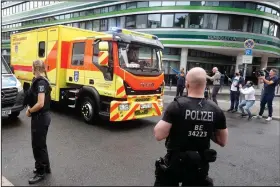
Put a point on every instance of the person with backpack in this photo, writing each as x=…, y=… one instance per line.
x=216, y=78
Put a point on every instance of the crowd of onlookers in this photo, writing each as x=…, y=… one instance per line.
x=239, y=88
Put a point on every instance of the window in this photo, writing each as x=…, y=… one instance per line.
x=130, y=22
x=239, y=4
x=112, y=8
x=223, y=22
x=77, y=25
x=248, y=24
x=40, y=3
x=154, y=3
x=67, y=16
x=17, y=7
x=76, y=14
x=83, y=25
x=153, y=20
x=142, y=4
x=274, y=12
x=181, y=20
x=104, y=10
x=271, y=29
x=83, y=13
x=35, y=4
x=257, y=26
x=226, y=3
x=268, y=10
x=196, y=3
x=131, y=5
x=196, y=20
x=121, y=22
x=89, y=12
x=141, y=21
x=14, y=9
x=265, y=27
x=104, y=25
x=210, y=21
x=212, y=3
x=236, y=23
x=96, y=25
x=112, y=22
x=28, y=6
x=41, y=51
x=78, y=53
x=168, y=3
x=178, y=3
x=97, y=11
x=251, y=6
x=167, y=20
x=61, y=17
x=89, y=25
x=276, y=30
x=260, y=8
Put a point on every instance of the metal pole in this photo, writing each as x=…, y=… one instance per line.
x=244, y=74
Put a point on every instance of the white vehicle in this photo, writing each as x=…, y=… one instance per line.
x=12, y=95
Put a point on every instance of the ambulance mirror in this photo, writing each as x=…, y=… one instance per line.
x=103, y=46
x=103, y=58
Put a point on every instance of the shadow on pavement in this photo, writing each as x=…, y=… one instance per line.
x=8, y=123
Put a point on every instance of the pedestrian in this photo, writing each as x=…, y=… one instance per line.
x=249, y=100
x=180, y=83
x=38, y=101
x=188, y=124
x=270, y=83
x=216, y=83
x=234, y=91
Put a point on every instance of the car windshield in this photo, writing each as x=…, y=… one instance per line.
x=5, y=69
x=139, y=57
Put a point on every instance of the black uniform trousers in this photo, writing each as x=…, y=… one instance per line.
x=39, y=129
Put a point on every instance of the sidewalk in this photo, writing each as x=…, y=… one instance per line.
x=224, y=91
x=5, y=182
x=225, y=104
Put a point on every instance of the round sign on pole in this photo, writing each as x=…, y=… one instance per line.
x=249, y=44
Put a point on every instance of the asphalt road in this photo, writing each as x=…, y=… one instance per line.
x=124, y=153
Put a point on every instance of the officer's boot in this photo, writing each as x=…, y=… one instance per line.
x=39, y=176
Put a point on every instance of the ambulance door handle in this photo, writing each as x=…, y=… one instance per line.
x=91, y=81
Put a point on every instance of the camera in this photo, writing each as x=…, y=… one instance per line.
x=262, y=73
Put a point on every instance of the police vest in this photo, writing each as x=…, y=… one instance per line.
x=31, y=96
x=193, y=128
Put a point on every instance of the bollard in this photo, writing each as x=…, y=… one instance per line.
x=170, y=84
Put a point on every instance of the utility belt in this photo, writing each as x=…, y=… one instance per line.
x=182, y=165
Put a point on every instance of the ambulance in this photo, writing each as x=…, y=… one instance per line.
x=115, y=75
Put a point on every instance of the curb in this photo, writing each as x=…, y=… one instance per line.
x=5, y=182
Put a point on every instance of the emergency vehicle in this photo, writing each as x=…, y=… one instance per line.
x=117, y=74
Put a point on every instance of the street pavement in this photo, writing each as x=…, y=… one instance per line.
x=124, y=153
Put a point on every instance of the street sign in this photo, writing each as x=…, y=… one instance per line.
x=248, y=52
x=247, y=59
x=249, y=44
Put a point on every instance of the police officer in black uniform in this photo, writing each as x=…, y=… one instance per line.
x=188, y=125
x=38, y=100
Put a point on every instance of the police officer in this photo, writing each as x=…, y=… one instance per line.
x=188, y=125
x=38, y=100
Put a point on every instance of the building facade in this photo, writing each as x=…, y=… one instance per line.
x=194, y=33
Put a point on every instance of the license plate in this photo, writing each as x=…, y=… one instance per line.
x=146, y=106
x=6, y=112
x=141, y=112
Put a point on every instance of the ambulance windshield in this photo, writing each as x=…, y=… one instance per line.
x=139, y=57
x=5, y=68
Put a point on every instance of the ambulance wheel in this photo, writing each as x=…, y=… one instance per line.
x=87, y=110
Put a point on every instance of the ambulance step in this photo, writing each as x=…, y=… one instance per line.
x=72, y=98
x=74, y=91
x=71, y=106
x=106, y=114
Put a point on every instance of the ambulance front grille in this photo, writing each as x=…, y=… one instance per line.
x=130, y=91
x=8, y=96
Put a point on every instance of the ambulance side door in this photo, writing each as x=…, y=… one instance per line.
x=75, y=70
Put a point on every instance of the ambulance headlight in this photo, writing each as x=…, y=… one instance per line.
x=19, y=86
x=124, y=107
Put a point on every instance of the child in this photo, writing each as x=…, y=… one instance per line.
x=249, y=101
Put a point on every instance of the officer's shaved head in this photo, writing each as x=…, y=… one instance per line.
x=196, y=82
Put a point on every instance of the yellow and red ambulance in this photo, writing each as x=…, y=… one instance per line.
x=117, y=74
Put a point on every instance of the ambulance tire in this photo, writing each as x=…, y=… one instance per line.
x=88, y=110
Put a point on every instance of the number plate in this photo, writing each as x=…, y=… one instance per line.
x=146, y=106
x=6, y=112
x=141, y=112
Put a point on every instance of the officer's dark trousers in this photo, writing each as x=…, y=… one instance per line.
x=180, y=91
x=267, y=99
x=234, y=98
x=39, y=129
x=194, y=182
